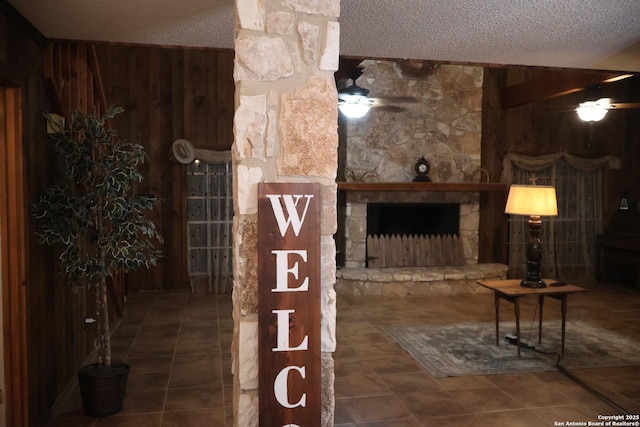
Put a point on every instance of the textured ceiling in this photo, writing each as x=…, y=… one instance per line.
x=594, y=34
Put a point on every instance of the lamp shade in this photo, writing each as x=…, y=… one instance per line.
x=536, y=200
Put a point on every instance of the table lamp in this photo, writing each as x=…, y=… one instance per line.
x=535, y=201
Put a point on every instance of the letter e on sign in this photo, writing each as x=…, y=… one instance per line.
x=289, y=304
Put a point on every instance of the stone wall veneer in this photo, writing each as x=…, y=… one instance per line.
x=444, y=124
x=285, y=131
x=309, y=128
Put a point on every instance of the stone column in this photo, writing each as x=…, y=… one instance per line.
x=285, y=131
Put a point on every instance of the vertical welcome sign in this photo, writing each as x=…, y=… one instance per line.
x=289, y=304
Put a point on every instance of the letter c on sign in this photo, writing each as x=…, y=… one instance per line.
x=280, y=388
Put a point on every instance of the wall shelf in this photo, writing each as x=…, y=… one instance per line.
x=423, y=186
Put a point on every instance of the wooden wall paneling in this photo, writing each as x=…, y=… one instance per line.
x=198, y=108
x=225, y=106
x=52, y=87
x=129, y=77
x=200, y=116
x=64, y=78
x=190, y=131
x=211, y=99
x=71, y=79
x=61, y=75
x=80, y=59
x=518, y=129
x=97, y=95
x=5, y=37
x=76, y=67
x=492, y=229
x=160, y=143
x=188, y=95
x=177, y=89
x=176, y=247
x=144, y=96
x=171, y=263
x=114, y=64
x=13, y=276
x=43, y=382
x=188, y=114
x=90, y=96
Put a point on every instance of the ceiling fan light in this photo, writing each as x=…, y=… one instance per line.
x=354, y=110
x=354, y=106
x=593, y=111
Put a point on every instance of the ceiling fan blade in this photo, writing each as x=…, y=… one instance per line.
x=389, y=108
x=556, y=108
x=622, y=105
x=389, y=100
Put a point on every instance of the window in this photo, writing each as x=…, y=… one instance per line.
x=209, y=225
x=568, y=240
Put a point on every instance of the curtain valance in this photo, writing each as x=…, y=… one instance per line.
x=537, y=163
x=212, y=156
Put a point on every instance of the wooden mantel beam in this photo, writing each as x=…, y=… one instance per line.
x=552, y=84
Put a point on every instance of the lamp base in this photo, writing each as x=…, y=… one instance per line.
x=528, y=283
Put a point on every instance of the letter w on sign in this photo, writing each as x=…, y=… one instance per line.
x=291, y=206
x=289, y=304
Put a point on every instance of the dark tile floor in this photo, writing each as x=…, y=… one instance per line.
x=379, y=384
x=178, y=348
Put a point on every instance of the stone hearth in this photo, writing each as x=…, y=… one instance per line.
x=422, y=281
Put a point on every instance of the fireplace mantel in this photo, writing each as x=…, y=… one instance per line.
x=423, y=186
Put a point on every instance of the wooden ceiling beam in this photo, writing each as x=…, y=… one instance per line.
x=552, y=84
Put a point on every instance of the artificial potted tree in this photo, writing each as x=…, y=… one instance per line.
x=102, y=228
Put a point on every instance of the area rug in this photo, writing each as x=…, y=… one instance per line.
x=470, y=348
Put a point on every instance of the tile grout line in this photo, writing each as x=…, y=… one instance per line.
x=139, y=331
x=224, y=396
x=173, y=358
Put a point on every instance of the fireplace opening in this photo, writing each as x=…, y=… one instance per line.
x=413, y=219
x=413, y=235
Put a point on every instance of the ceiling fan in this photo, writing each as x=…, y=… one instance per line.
x=596, y=106
x=593, y=111
x=354, y=101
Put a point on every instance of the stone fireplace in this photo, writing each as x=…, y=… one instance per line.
x=443, y=125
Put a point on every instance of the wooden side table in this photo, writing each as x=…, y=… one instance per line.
x=510, y=290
